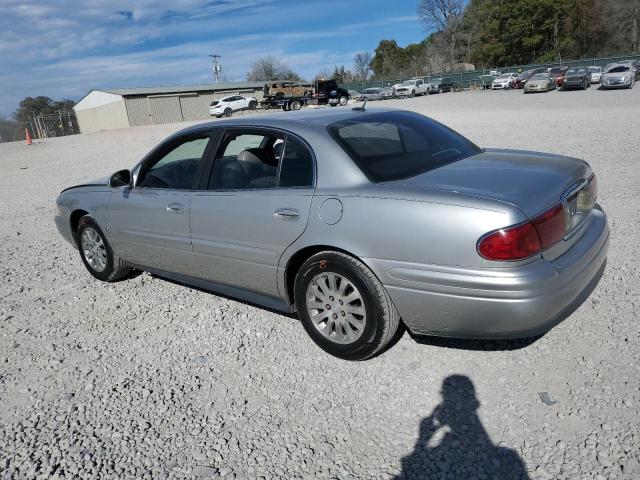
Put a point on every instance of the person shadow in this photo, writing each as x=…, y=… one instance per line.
x=453, y=444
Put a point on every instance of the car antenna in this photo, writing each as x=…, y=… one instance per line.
x=360, y=109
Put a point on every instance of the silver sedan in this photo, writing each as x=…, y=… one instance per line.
x=362, y=222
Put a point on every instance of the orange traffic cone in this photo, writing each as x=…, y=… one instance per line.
x=27, y=136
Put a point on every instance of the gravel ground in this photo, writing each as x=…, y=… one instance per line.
x=150, y=379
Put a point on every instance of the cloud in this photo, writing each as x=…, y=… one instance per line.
x=63, y=49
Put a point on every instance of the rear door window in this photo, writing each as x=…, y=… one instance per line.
x=396, y=145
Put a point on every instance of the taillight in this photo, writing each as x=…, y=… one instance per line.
x=513, y=243
x=527, y=239
x=551, y=226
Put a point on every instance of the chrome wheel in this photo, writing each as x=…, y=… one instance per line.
x=336, y=308
x=93, y=249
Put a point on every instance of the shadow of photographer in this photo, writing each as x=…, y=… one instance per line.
x=453, y=444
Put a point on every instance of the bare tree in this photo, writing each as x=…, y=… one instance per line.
x=445, y=17
x=362, y=65
x=270, y=68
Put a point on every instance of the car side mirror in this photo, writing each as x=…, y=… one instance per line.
x=121, y=178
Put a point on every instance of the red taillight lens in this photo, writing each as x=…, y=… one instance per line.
x=513, y=243
x=522, y=241
x=551, y=226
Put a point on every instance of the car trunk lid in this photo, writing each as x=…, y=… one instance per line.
x=531, y=181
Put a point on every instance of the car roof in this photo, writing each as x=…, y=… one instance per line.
x=317, y=117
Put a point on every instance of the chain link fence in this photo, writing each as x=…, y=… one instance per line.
x=473, y=79
x=53, y=124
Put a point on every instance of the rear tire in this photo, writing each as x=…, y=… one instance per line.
x=296, y=105
x=332, y=286
x=96, y=253
x=343, y=101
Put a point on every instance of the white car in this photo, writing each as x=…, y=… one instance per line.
x=504, y=81
x=233, y=103
x=411, y=88
x=596, y=74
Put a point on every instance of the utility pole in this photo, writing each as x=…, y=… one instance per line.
x=217, y=68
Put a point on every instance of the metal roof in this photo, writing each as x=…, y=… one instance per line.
x=167, y=89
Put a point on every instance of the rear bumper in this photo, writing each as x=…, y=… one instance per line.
x=510, y=302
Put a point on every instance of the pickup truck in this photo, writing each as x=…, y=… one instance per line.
x=411, y=88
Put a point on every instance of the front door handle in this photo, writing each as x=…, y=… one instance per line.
x=175, y=208
x=287, y=214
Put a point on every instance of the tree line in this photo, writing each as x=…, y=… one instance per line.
x=491, y=33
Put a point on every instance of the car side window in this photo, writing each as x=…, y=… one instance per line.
x=246, y=161
x=296, y=168
x=177, y=168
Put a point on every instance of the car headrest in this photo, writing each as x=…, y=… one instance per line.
x=264, y=156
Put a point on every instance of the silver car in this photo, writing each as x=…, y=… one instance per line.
x=371, y=94
x=364, y=222
x=618, y=76
x=540, y=82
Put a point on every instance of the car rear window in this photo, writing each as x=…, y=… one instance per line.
x=395, y=145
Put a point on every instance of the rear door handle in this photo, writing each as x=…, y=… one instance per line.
x=175, y=208
x=287, y=214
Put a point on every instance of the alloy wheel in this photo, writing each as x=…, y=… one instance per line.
x=336, y=307
x=93, y=249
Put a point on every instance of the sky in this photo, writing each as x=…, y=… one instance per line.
x=64, y=49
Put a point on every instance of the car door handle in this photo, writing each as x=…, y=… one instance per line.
x=287, y=214
x=175, y=208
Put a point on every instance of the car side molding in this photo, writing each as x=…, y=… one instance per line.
x=237, y=293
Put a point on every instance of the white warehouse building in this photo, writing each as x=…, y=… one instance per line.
x=132, y=107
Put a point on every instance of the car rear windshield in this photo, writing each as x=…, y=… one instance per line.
x=576, y=71
x=540, y=76
x=395, y=145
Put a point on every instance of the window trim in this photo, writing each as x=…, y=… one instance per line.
x=253, y=130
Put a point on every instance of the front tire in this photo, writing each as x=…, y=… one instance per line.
x=228, y=112
x=96, y=253
x=343, y=101
x=343, y=307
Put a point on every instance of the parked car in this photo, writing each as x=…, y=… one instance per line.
x=558, y=74
x=226, y=106
x=524, y=77
x=506, y=81
x=596, y=74
x=301, y=213
x=618, y=76
x=411, y=88
x=540, y=82
x=387, y=93
x=635, y=66
x=440, y=85
x=577, y=77
x=371, y=94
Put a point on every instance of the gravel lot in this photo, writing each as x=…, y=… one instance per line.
x=150, y=379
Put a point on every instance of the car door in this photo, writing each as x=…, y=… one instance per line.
x=254, y=205
x=150, y=220
x=238, y=103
